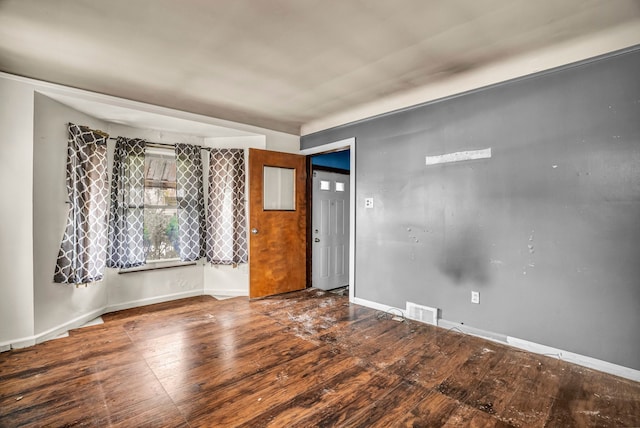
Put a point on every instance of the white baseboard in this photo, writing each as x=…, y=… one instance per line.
x=571, y=357
x=231, y=292
x=56, y=331
x=51, y=333
x=377, y=306
x=582, y=360
x=450, y=325
x=151, y=300
x=22, y=342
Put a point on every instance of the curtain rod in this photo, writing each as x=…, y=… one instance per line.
x=152, y=144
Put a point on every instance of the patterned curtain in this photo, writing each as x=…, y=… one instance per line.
x=126, y=223
x=81, y=258
x=191, y=226
x=226, y=219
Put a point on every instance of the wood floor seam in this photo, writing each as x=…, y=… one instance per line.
x=157, y=379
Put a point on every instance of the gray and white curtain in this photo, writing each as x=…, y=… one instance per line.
x=126, y=222
x=226, y=218
x=81, y=258
x=191, y=220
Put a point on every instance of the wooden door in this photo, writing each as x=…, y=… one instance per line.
x=277, y=223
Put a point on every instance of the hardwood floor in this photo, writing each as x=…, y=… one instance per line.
x=304, y=359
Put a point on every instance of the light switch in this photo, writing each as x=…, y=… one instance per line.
x=475, y=297
x=368, y=202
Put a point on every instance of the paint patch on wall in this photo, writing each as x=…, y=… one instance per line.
x=459, y=156
x=465, y=255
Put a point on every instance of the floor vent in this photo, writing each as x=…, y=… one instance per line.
x=422, y=313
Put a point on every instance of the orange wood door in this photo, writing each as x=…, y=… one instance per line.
x=277, y=237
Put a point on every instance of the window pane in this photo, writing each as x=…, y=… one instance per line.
x=157, y=196
x=161, y=233
x=160, y=169
x=279, y=188
x=161, y=239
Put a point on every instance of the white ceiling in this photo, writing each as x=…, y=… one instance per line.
x=280, y=64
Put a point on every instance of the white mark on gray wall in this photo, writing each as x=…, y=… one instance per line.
x=459, y=156
x=412, y=237
x=530, y=246
x=532, y=250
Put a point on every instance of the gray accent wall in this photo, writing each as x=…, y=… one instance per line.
x=547, y=229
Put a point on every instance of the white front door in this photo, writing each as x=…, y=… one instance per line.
x=330, y=230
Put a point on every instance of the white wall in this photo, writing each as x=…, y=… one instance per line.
x=55, y=304
x=16, y=233
x=32, y=307
x=58, y=307
x=281, y=142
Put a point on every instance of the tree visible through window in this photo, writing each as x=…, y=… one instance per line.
x=161, y=240
x=157, y=205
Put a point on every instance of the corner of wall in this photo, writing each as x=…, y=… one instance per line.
x=16, y=222
x=226, y=280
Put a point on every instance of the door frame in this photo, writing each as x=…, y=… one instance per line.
x=350, y=144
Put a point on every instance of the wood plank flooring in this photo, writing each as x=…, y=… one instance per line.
x=304, y=359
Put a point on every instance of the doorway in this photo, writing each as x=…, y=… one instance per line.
x=330, y=201
x=349, y=144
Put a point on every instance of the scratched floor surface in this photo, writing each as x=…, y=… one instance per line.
x=300, y=360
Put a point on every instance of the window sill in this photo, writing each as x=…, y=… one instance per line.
x=157, y=265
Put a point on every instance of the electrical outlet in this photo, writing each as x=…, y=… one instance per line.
x=475, y=297
x=368, y=202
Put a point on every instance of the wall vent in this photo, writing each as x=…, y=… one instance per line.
x=422, y=313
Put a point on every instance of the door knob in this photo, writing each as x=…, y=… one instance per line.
x=317, y=240
x=254, y=231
